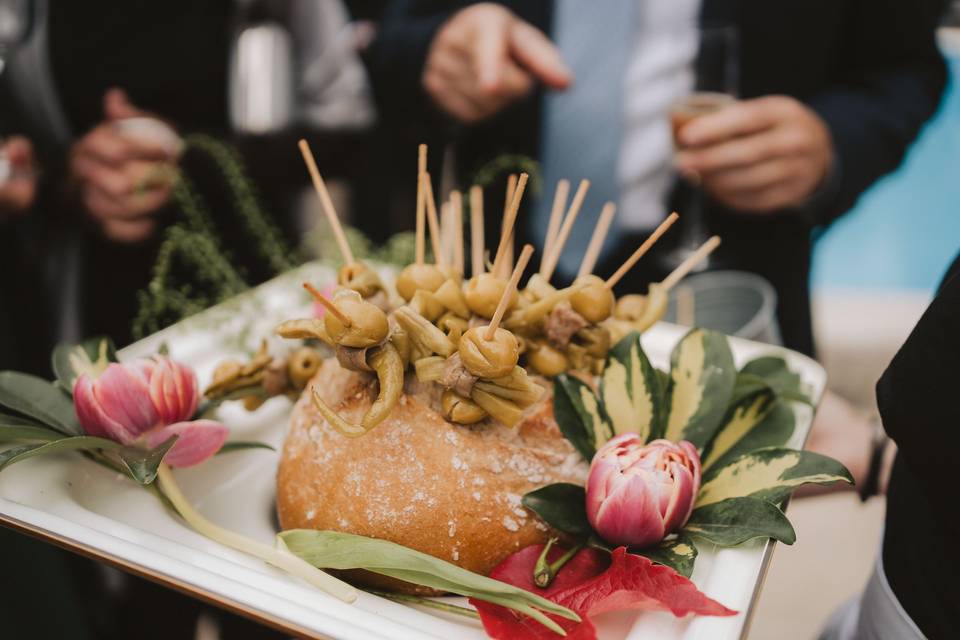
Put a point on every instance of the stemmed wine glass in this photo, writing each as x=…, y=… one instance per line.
x=716, y=78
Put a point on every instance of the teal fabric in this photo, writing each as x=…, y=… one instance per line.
x=582, y=126
x=906, y=229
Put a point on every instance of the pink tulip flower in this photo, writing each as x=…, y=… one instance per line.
x=638, y=494
x=146, y=402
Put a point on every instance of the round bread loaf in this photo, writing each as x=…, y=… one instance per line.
x=448, y=490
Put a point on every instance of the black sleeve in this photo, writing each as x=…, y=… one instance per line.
x=918, y=397
x=890, y=88
x=399, y=52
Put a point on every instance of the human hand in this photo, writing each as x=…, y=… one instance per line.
x=758, y=155
x=124, y=179
x=18, y=187
x=485, y=58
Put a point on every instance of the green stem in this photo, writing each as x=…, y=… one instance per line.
x=271, y=555
x=426, y=602
x=544, y=573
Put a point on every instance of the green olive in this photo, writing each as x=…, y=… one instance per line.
x=483, y=294
x=594, y=301
x=631, y=307
x=461, y=410
x=368, y=323
x=416, y=277
x=489, y=358
x=302, y=365
x=547, y=361
x=360, y=278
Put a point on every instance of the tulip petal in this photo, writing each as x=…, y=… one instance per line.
x=174, y=390
x=123, y=395
x=199, y=440
x=630, y=515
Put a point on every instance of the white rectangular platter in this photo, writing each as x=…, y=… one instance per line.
x=77, y=504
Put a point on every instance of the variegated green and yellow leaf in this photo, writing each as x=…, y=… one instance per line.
x=678, y=553
x=745, y=413
x=702, y=379
x=775, y=430
x=773, y=370
x=769, y=474
x=736, y=520
x=631, y=391
x=580, y=416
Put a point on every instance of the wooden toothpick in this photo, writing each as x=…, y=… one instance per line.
x=690, y=263
x=476, y=230
x=432, y=221
x=326, y=302
x=326, y=203
x=507, y=264
x=421, y=248
x=641, y=251
x=509, y=291
x=456, y=202
x=556, y=248
x=596, y=241
x=556, y=218
x=509, y=219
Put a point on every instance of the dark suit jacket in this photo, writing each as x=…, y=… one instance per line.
x=916, y=398
x=870, y=68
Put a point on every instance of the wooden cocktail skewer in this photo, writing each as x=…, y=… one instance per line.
x=686, y=307
x=556, y=217
x=690, y=263
x=326, y=302
x=456, y=203
x=421, y=205
x=507, y=265
x=509, y=219
x=596, y=241
x=641, y=251
x=564, y=234
x=476, y=230
x=446, y=231
x=509, y=291
x=326, y=203
x=432, y=221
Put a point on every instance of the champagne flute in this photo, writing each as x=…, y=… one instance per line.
x=716, y=77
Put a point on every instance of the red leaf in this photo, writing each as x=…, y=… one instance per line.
x=590, y=584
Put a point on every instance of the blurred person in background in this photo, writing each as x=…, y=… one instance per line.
x=110, y=95
x=832, y=93
x=913, y=592
x=106, y=91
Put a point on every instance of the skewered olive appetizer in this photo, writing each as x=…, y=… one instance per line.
x=483, y=294
x=419, y=277
x=361, y=278
x=492, y=358
x=593, y=299
x=354, y=322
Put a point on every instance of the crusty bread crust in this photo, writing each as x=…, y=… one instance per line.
x=444, y=489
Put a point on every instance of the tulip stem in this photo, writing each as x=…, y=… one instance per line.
x=544, y=573
x=271, y=555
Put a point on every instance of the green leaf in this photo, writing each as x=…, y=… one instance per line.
x=77, y=443
x=679, y=553
x=774, y=371
x=750, y=405
x=343, y=551
x=579, y=415
x=735, y=520
x=631, y=391
x=775, y=430
x=142, y=464
x=769, y=474
x=13, y=428
x=38, y=399
x=239, y=445
x=702, y=379
x=90, y=356
x=563, y=506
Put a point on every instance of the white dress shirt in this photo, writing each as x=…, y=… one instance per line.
x=659, y=73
